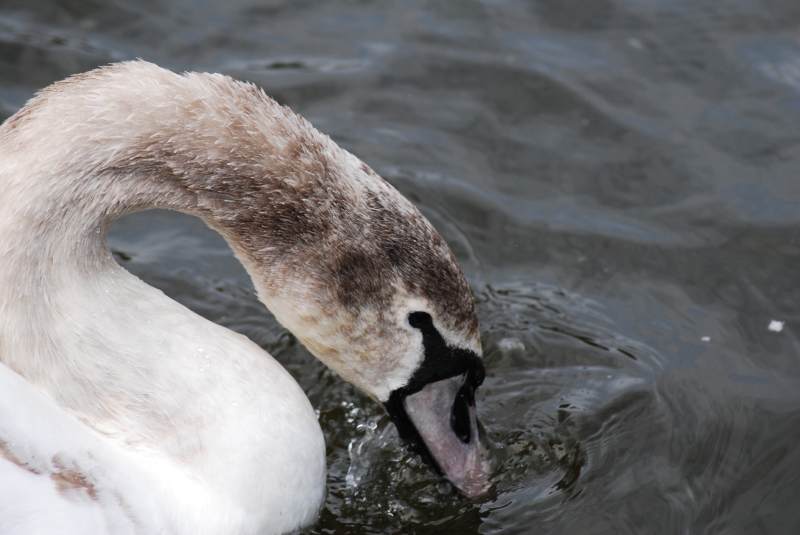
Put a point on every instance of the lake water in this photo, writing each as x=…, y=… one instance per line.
x=619, y=180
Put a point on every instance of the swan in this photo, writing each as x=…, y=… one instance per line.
x=123, y=412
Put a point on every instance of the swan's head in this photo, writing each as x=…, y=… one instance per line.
x=367, y=284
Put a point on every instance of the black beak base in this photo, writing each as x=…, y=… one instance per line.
x=441, y=362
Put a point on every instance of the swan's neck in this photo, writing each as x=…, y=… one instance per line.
x=78, y=158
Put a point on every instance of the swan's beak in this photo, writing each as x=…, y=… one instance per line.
x=444, y=419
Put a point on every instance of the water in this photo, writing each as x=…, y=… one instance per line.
x=618, y=179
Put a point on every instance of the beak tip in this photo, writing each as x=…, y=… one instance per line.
x=473, y=485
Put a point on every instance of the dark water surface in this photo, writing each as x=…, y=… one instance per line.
x=619, y=179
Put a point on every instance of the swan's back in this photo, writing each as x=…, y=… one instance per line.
x=224, y=438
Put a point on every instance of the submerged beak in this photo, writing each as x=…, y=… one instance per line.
x=444, y=415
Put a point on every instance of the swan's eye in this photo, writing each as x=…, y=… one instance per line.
x=459, y=418
x=420, y=320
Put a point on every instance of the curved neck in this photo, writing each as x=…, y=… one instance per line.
x=92, y=149
x=76, y=158
x=87, y=151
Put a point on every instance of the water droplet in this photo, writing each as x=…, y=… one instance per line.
x=235, y=404
x=201, y=369
x=200, y=349
x=776, y=326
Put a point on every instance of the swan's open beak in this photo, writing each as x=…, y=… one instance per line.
x=439, y=423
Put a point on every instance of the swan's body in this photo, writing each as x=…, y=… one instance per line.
x=183, y=410
x=123, y=412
